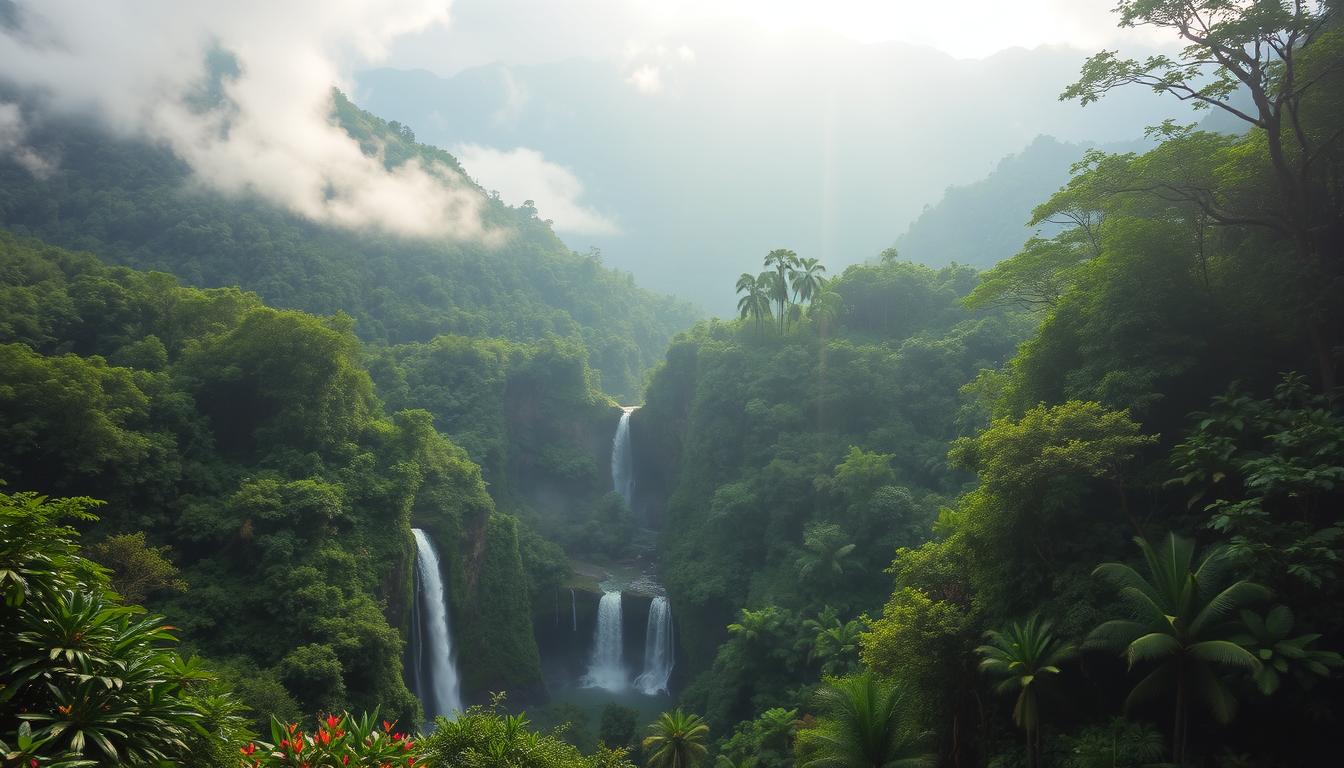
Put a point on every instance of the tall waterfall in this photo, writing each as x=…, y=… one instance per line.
x=432, y=664
x=659, y=651
x=622, y=461
x=606, y=669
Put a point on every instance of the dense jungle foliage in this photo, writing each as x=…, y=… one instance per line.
x=1081, y=509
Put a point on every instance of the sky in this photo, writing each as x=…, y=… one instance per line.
x=140, y=68
x=537, y=31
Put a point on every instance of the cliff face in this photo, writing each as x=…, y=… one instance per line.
x=489, y=608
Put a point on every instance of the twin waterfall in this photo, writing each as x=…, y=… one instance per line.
x=431, y=648
x=606, y=664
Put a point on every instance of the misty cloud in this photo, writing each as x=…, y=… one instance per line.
x=242, y=93
x=13, y=142
x=646, y=79
x=524, y=174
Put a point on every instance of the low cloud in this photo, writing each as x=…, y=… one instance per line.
x=646, y=79
x=241, y=92
x=13, y=142
x=525, y=174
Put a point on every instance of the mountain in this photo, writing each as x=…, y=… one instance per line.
x=984, y=222
x=706, y=156
x=134, y=203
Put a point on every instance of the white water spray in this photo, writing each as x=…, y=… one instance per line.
x=432, y=664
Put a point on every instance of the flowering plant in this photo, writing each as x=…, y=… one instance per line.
x=337, y=742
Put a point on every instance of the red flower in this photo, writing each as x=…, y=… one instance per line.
x=333, y=721
x=298, y=744
x=325, y=736
x=345, y=760
x=249, y=749
x=284, y=743
x=386, y=726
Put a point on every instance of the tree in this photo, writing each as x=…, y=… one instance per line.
x=138, y=571
x=783, y=262
x=617, y=726
x=676, y=740
x=1026, y=655
x=826, y=552
x=807, y=280
x=1178, y=619
x=835, y=643
x=756, y=301
x=860, y=727
x=1280, y=55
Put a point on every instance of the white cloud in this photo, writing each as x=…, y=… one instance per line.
x=136, y=65
x=13, y=142
x=523, y=174
x=646, y=79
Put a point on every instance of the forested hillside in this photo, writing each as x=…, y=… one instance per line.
x=133, y=203
x=828, y=444
x=248, y=441
x=441, y=503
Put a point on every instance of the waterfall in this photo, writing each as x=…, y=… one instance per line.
x=605, y=668
x=622, y=461
x=432, y=664
x=573, y=610
x=659, y=650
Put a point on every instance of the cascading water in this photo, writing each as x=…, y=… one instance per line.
x=622, y=460
x=606, y=669
x=432, y=664
x=659, y=651
x=573, y=610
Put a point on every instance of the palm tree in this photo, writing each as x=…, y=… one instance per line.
x=756, y=302
x=836, y=643
x=676, y=740
x=1179, y=619
x=1025, y=656
x=753, y=626
x=859, y=728
x=825, y=551
x=807, y=280
x=782, y=261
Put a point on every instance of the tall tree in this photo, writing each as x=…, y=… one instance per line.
x=757, y=294
x=1287, y=61
x=807, y=280
x=1026, y=655
x=1179, y=619
x=782, y=261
